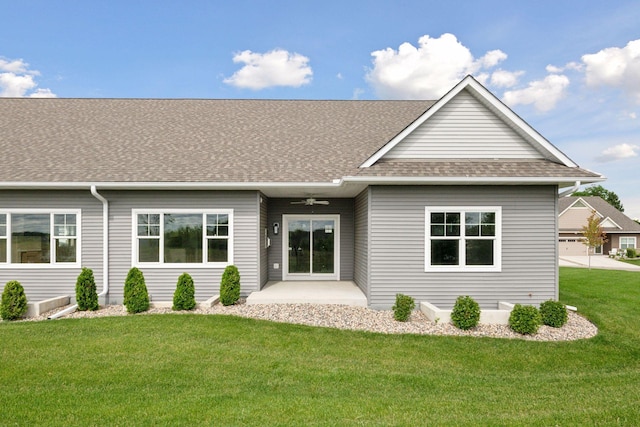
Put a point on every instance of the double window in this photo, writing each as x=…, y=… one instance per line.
x=627, y=242
x=183, y=237
x=463, y=238
x=40, y=238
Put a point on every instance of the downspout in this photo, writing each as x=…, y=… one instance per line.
x=570, y=191
x=105, y=253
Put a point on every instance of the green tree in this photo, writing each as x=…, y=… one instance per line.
x=14, y=301
x=599, y=191
x=86, y=294
x=593, y=234
x=136, y=297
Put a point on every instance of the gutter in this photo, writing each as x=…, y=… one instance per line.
x=570, y=191
x=105, y=253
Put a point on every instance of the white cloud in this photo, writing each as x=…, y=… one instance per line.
x=503, y=78
x=618, y=152
x=543, y=94
x=275, y=68
x=615, y=67
x=16, y=80
x=428, y=70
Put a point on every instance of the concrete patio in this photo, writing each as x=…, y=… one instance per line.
x=309, y=292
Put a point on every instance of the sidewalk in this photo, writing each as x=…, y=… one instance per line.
x=597, y=261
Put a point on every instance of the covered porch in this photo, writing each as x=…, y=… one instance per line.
x=309, y=292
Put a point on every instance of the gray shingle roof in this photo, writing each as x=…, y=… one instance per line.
x=214, y=141
x=606, y=210
x=133, y=140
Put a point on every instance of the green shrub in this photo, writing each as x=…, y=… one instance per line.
x=466, y=313
x=631, y=253
x=184, y=296
x=136, y=297
x=403, y=307
x=230, y=285
x=86, y=294
x=14, y=301
x=525, y=319
x=553, y=313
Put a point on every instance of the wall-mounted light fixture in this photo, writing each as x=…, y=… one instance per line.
x=276, y=228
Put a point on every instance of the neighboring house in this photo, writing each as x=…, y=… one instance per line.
x=622, y=231
x=434, y=199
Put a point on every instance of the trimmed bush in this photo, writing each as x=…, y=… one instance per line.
x=525, y=319
x=184, y=296
x=14, y=301
x=136, y=297
x=553, y=313
x=230, y=285
x=403, y=307
x=466, y=313
x=631, y=253
x=86, y=294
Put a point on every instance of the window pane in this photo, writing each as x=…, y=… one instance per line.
x=148, y=250
x=453, y=230
x=479, y=252
x=488, y=230
x=183, y=238
x=30, y=238
x=218, y=250
x=65, y=250
x=445, y=252
x=148, y=224
x=3, y=250
x=453, y=218
x=3, y=225
x=472, y=230
x=437, y=230
x=472, y=218
x=488, y=217
x=437, y=218
x=217, y=225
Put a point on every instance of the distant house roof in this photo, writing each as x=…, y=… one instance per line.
x=613, y=220
x=238, y=144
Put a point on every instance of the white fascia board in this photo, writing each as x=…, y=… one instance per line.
x=470, y=83
x=166, y=185
x=380, y=180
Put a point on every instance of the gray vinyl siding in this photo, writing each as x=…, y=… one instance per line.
x=41, y=282
x=529, y=245
x=161, y=282
x=342, y=207
x=361, y=242
x=463, y=129
x=264, y=250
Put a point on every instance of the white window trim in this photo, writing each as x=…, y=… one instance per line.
x=8, y=265
x=161, y=263
x=633, y=239
x=497, y=248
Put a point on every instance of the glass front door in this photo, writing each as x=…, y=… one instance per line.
x=311, y=247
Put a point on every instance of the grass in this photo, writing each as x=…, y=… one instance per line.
x=218, y=370
x=635, y=261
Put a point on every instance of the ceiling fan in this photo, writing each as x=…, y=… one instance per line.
x=310, y=201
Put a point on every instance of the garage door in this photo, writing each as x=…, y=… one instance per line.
x=572, y=247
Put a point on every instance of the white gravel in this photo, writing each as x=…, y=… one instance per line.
x=361, y=319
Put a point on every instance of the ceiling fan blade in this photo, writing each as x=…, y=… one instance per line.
x=321, y=202
x=302, y=202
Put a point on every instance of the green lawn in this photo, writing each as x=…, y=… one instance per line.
x=635, y=261
x=218, y=370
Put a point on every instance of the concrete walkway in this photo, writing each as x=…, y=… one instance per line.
x=309, y=292
x=597, y=261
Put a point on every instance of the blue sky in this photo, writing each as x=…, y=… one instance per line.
x=571, y=69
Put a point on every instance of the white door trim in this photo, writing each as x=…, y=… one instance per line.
x=286, y=218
